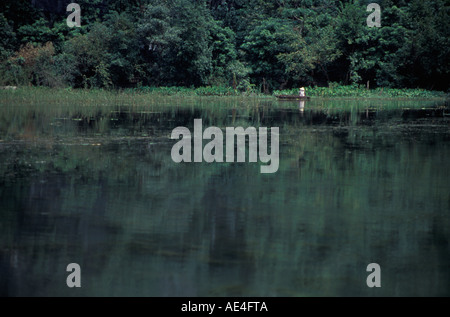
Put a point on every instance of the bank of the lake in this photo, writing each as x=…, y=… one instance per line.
x=146, y=95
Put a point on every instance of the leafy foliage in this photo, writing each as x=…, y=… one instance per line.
x=252, y=45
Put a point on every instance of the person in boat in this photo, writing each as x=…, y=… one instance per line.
x=301, y=92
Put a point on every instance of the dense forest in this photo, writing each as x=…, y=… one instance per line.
x=244, y=44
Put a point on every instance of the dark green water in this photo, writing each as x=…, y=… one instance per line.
x=359, y=182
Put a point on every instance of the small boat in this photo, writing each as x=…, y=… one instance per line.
x=292, y=97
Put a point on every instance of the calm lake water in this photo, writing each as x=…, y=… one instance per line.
x=359, y=182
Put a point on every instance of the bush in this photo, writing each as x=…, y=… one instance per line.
x=336, y=90
x=31, y=64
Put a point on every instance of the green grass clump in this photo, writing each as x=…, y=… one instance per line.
x=335, y=90
x=188, y=92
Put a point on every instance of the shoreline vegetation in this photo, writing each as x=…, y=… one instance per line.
x=28, y=94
